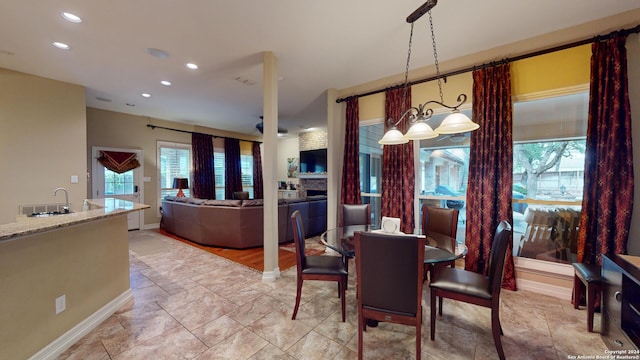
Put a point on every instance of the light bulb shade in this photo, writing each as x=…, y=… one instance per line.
x=393, y=137
x=180, y=183
x=420, y=130
x=456, y=123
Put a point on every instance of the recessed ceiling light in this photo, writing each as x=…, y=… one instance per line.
x=192, y=66
x=61, y=45
x=147, y=95
x=165, y=83
x=71, y=17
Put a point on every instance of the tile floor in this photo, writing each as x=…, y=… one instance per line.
x=190, y=304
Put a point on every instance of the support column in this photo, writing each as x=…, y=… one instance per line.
x=335, y=144
x=270, y=164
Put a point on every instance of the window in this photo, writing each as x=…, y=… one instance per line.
x=246, y=167
x=219, y=167
x=442, y=173
x=548, y=176
x=118, y=184
x=174, y=161
x=371, y=168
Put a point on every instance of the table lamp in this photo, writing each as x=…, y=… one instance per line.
x=180, y=183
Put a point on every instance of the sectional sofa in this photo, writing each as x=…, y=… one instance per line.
x=237, y=224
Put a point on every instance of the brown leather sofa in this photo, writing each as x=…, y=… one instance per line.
x=236, y=224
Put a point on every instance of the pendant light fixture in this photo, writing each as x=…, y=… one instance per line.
x=418, y=116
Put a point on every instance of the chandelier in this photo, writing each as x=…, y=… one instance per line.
x=418, y=116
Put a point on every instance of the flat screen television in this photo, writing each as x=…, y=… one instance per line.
x=313, y=161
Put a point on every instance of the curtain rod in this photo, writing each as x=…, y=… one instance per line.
x=503, y=61
x=153, y=127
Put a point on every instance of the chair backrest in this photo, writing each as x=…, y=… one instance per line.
x=241, y=195
x=440, y=220
x=497, y=256
x=390, y=271
x=298, y=238
x=358, y=214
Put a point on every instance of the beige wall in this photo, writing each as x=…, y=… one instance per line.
x=119, y=130
x=89, y=263
x=42, y=142
x=287, y=148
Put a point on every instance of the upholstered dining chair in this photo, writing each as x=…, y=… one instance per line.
x=390, y=277
x=473, y=288
x=315, y=267
x=443, y=221
x=354, y=214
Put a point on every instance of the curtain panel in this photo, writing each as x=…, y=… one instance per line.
x=489, y=191
x=232, y=170
x=203, y=186
x=258, y=192
x=398, y=176
x=118, y=161
x=607, y=201
x=350, y=190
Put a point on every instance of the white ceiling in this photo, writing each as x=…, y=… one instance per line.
x=319, y=45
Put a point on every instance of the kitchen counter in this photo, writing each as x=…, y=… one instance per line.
x=98, y=209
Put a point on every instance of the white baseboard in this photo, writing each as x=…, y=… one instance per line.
x=61, y=344
x=271, y=275
x=545, y=289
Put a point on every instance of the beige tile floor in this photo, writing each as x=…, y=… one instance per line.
x=190, y=304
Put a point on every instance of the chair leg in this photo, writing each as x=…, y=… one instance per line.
x=343, y=288
x=419, y=341
x=298, y=295
x=591, y=299
x=433, y=314
x=496, y=329
x=345, y=260
x=362, y=326
x=577, y=289
x=440, y=305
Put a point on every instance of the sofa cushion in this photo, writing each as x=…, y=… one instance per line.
x=182, y=199
x=170, y=198
x=197, y=201
x=232, y=203
x=255, y=202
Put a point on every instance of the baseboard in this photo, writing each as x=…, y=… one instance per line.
x=545, y=289
x=271, y=275
x=61, y=344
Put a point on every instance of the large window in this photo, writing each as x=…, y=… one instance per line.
x=548, y=176
x=246, y=167
x=174, y=161
x=548, y=170
x=371, y=168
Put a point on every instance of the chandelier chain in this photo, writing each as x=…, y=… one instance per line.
x=406, y=70
x=435, y=56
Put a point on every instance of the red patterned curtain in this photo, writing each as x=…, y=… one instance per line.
x=490, y=169
x=350, y=192
x=203, y=186
x=232, y=169
x=398, y=175
x=608, y=182
x=118, y=161
x=257, y=172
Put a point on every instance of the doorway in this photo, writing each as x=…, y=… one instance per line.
x=126, y=186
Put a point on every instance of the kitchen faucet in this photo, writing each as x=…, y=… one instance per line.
x=66, y=198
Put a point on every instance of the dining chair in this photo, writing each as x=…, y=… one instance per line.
x=471, y=287
x=443, y=221
x=315, y=267
x=390, y=277
x=354, y=214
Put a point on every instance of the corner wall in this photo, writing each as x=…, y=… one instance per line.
x=42, y=142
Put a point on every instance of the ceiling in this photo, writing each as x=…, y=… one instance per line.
x=319, y=45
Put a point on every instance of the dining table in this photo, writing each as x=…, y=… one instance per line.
x=341, y=240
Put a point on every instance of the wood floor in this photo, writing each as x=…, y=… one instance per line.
x=253, y=258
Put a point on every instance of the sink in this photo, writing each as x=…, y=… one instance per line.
x=48, y=213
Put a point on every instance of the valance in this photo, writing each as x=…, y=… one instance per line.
x=118, y=161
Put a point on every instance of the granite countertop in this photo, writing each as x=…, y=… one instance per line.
x=98, y=209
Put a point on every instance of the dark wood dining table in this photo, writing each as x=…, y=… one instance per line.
x=341, y=240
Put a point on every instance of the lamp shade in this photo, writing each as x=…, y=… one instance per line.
x=180, y=183
x=455, y=123
x=420, y=130
x=393, y=137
